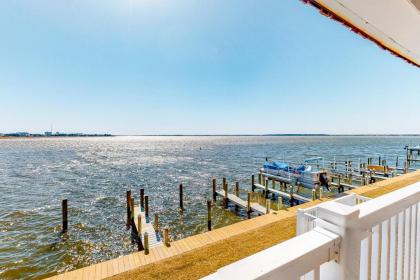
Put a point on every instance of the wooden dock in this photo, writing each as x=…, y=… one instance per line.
x=297, y=197
x=155, y=239
x=255, y=207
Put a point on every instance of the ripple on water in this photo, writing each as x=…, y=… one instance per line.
x=94, y=173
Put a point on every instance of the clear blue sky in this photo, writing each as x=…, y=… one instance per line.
x=148, y=66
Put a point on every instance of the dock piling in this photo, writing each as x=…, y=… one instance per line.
x=266, y=189
x=225, y=189
x=252, y=181
x=166, y=236
x=156, y=222
x=141, y=199
x=128, y=206
x=214, y=184
x=64, y=216
x=248, y=206
x=209, y=215
x=146, y=243
x=146, y=206
x=181, y=197
x=132, y=210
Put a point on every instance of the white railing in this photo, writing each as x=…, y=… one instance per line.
x=376, y=239
x=306, y=217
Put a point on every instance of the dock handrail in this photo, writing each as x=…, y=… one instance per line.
x=371, y=240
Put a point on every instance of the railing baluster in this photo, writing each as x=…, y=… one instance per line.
x=369, y=256
x=403, y=246
x=396, y=246
x=388, y=248
x=410, y=213
x=379, y=264
x=317, y=273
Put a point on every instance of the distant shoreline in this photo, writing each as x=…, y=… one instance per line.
x=211, y=135
x=278, y=135
x=53, y=137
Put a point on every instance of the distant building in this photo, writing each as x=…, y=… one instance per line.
x=48, y=133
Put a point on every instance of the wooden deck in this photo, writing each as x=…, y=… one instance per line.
x=202, y=254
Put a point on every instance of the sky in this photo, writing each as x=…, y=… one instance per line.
x=196, y=67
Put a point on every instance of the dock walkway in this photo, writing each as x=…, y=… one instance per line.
x=255, y=207
x=283, y=194
x=154, y=236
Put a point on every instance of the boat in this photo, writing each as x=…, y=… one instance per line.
x=307, y=175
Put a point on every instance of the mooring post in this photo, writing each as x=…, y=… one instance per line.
x=209, y=215
x=313, y=194
x=146, y=243
x=266, y=188
x=224, y=181
x=166, y=237
x=146, y=207
x=181, y=197
x=248, y=205
x=292, y=200
x=396, y=164
x=379, y=160
x=279, y=203
x=225, y=188
x=132, y=209
x=214, y=183
x=339, y=183
x=237, y=189
x=128, y=206
x=273, y=183
x=260, y=178
x=142, y=200
x=64, y=216
x=156, y=222
x=267, y=206
x=252, y=181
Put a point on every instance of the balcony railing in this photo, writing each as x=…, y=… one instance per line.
x=348, y=238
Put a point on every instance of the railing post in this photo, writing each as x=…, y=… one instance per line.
x=342, y=219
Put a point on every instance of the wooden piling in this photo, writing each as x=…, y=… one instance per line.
x=128, y=206
x=166, y=237
x=141, y=199
x=132, y=211
x=237, y=189
x=146, y=243
x=266, y=188
x=225, y=199
x=209, y=215
x=248, y=206
x=313, y=194
x=267, y=206
x=224, y=181
x=64, y=216
x=252, y=181
x=156, y=222
x=146, y=206
x=273, y=183
x=260, y=178
x=181, y=197
x=214, y=184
